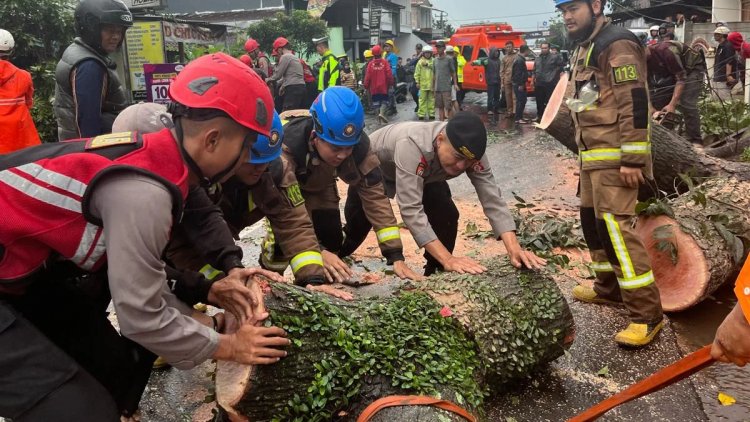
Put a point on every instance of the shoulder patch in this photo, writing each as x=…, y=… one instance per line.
x=421, y=167
x=103, y=141
x=625, y=73
x=294, y=194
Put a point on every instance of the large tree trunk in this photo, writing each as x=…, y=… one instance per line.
x=672, y=156
x=452, y=335
x=700, y=248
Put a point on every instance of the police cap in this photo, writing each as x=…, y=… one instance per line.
x=467, y=134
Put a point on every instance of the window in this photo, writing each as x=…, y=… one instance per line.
x=467, y=51
x=482, y=53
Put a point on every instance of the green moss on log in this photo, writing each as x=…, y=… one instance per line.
x=378, y=340
x=502, y=324
x=517, y=326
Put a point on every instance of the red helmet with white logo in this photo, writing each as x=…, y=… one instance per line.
x=221, y=82
x=251, y=45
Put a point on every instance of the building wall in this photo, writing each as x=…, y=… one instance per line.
x=190, y=6
x=726, y=11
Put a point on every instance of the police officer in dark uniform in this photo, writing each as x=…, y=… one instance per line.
x=88, y=92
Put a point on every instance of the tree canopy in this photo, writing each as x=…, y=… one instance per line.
x=298, y=27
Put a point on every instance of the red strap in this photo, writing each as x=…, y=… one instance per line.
x=391, y=401
x=683, y=368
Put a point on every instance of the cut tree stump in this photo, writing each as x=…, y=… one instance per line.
x=454, y=336
x=700, y=248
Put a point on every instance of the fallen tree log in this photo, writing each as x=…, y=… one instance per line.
x=672, y=154
x=700, y=246
x=453, y=336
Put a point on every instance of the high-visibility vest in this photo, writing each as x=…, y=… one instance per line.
x=44, y=191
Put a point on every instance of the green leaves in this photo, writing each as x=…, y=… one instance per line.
x=383, y=343
x=298, y=27
x=653, y=207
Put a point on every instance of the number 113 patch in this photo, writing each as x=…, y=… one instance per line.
x=626, y=73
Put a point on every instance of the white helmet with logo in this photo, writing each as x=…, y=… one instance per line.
x=7, y=43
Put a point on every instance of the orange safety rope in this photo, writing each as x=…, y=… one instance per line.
x=391, y=401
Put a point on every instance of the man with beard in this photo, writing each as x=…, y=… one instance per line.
x=610, y=111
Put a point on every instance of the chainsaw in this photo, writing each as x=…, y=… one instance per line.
x=668, y=119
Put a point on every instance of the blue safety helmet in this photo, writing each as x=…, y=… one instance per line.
x=338, y=116
x=559, y=3
x=268, y=148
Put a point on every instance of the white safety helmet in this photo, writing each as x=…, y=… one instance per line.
x=7, y=43
x=723, y=30
x=449, y=49
x=427, y=49
x=654, y=28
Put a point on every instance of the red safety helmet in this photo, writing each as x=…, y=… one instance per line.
x=280, y=42
x=247, y=60
x=377, y=51
x=220, y=82
x=251, y=45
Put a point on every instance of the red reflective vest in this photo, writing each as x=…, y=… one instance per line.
x=45, y=191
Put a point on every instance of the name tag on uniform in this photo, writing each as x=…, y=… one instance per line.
x=626, y=73
x=295, y=195
x=103, y=141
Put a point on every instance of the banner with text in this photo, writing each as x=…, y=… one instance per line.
x=144, y=44
x=194, y=34
x=158, y=78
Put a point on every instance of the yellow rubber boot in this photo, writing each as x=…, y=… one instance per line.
x=638, y=335
x=160, y=363
x=587, y=294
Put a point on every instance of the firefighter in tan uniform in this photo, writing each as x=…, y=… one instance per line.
x=417, y=160
x=330, y=144
x=610, y=112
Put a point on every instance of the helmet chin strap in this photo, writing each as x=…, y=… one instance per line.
x=205, y=182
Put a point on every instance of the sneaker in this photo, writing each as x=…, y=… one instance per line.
x=588, y=295
x=638, y=335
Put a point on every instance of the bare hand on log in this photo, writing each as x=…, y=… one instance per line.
x=403, y=271
x=335, y=269
x=463, y=265
x=518, y=256
x=233, y=293
x=632, y=177
x=331, y=291
x=732, y=341
x=253, y=345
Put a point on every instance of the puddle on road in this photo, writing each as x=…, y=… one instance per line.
x=695, y=328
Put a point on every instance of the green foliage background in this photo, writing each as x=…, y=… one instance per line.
x=298, y=27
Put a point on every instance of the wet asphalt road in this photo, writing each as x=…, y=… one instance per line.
x=528, y=162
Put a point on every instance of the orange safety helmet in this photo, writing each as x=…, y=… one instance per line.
x=220, y=82
x=251, y=45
